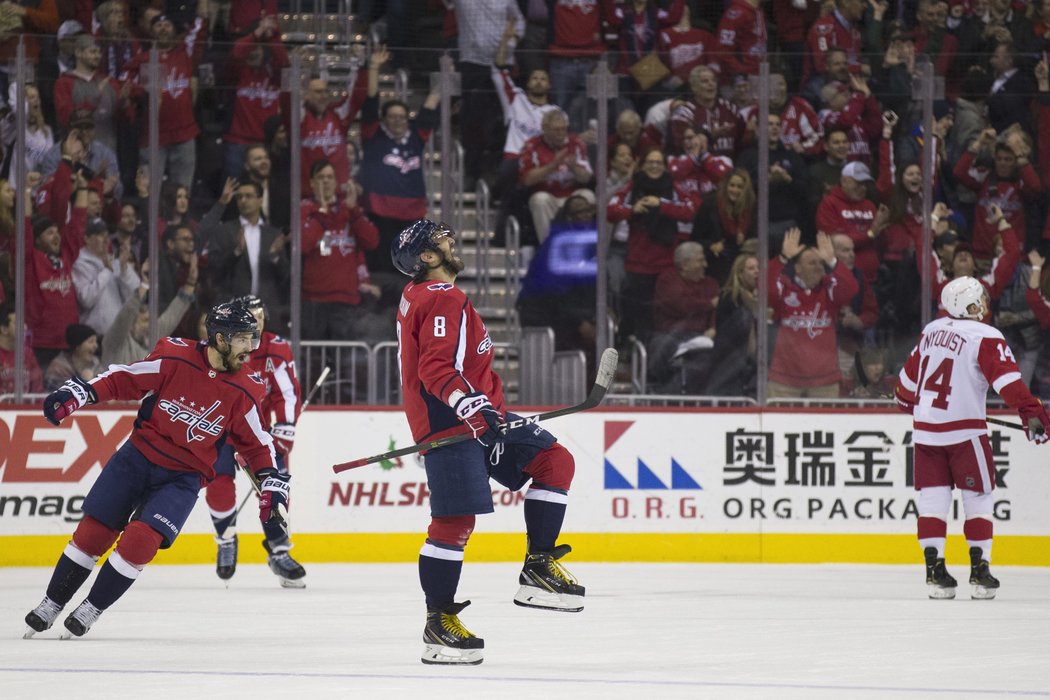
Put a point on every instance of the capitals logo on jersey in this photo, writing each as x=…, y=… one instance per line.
x=198, y=419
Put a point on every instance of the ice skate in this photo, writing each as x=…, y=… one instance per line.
x=42, y=617
x=447, y=641
x=546, y=584
x=985, y=586
x=226, y=559
x=79, y=621
x=941, y=584
x=288, y=570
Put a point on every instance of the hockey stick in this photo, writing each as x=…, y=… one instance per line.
x=309, y=397
x=862, y=377
x=606, y=371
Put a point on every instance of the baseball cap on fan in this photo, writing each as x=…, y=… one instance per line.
x=856, y=170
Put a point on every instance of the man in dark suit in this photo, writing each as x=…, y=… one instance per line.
x=246, y=255
x=1011, y=91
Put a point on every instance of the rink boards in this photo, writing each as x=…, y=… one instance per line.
x=679, y=486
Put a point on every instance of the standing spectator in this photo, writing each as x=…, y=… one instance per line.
x=733, y=365
x=178, y=263
x=826, y=173
x=857, y=318
x=932, y=37
x=129, y=233
x=325, y=123
x=256, y=63
x=88, y=152
x=853, y=108
x=835, y=30
x=800, y=128
x=79, y=359
x=177, y=157
x=726, y=218
x=175, y=207
x=1037, y=295
x=1011, y=92
x=574, y=33
x=32, y=380
x=638, y=24
x=707, y=111
x=788, y=182
x=36, y=19
x=653, y=204
x=847, y=209
x=392, y=163
x=836, y=69
x=258, y=168
x=1010, y=185
x=85, y=87
x=336, y=234
x=51, y=300
x=247, y=255
x=246, y=13
x=684, y=47
x=742, y=38
x=40, y=137
x=117, y=44
x=807, y=289
x=482, y=28
x=696, y=169
x=554, y=165
x=792, y=18
x=103, y=282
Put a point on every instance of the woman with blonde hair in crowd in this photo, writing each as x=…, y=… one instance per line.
x=725, y=220
x=733, y=371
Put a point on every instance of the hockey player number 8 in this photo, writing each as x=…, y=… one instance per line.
x=439, y=326
x=939, y=382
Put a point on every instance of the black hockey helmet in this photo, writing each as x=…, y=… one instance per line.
x=230, y=318
x=418, y=237
x=253, y=304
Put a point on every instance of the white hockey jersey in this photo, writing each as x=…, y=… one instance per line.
x=947, y=377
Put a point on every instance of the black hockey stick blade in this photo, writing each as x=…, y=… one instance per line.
x=606, y=372
x=317, y=385
x=862, y=377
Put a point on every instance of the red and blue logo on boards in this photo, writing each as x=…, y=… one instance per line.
x=646, y=478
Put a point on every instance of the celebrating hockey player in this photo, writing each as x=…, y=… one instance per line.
x=194, y=397
x=943, y=385
x=449, y=386
x=282, y=399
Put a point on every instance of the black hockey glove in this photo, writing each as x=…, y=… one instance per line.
x=62, y=402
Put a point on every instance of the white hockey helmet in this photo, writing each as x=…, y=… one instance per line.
x=959, y=294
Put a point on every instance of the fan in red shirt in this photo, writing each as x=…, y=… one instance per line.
x=32, y=378
x=835, y=30
x=847, y=209
x=742, y=38
x=683, y=47
x=706, y=111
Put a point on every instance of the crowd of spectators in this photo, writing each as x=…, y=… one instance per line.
x=845, y=178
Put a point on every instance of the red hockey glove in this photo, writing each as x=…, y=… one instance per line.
x=1036, y=422
x=903, y=404
x=74, y=394
x=484, y=421
x=283, y=435
x=275, y=487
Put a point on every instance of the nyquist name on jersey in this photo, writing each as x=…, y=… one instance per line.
x=194, y=420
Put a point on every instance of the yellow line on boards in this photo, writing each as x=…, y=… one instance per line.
x=1010, y=550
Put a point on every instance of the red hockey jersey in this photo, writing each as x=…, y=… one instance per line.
x=189, y=409
x=443, y=346
x=282, y=398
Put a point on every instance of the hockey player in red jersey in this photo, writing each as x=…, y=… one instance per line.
x=195, y=396
x=449, y=386
x=943, y=385
x=278, y=412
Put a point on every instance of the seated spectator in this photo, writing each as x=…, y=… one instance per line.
x=629, y=131
x=724, y=220
x=175, y=207
x=847, y=210
x=742, y=38
x=336, y=235
x=696, y=170
x=127, y=340
x=86, y=87
x=554, y=165
x=622, y=164
x=825, y=174
x=392, y=165
x=103, y=281
x=32, y=382
x=733, y=366
x=80, y=359
x=880, y=383
x=853, y=108
x=246, y=255
x=1011, y=185
x=129, y=233
x=707, y=111
x=788, y=182
x=836, y=69
x=807, y=289
x=653, y=204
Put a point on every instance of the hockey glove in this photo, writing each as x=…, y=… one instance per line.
x=484, y=421
x=903, y=404
x=74, y=394
x=283, y=435
x=274, y=487
x=1036, y=422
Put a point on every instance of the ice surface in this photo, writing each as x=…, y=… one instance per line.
x=649, y=631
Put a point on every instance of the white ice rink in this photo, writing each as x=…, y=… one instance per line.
x=649, y=631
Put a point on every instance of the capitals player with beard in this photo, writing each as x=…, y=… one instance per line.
x=943, y=385
x=195, y=397
x=449, y=387
x=278, y=413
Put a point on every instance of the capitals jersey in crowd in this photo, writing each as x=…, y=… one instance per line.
x=281, y=399
x=947, y=377
x=443, y=346
x=190, y=409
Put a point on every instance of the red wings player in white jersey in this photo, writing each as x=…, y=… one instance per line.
x=448, y=386
x=195, y=396
x=943, y=385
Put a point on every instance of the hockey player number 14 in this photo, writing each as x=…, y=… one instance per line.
x=939, y=382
